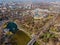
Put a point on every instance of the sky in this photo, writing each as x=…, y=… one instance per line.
x=31, y=0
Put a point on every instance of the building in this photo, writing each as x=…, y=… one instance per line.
x=39, y=13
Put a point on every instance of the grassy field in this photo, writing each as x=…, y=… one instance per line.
x=21, y=38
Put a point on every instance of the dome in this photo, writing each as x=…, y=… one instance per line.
x=12, y=27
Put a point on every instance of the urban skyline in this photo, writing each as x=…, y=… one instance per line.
x=30, y=0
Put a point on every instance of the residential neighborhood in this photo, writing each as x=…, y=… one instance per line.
x=29, y=22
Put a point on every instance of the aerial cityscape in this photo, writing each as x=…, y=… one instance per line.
x=29, y=22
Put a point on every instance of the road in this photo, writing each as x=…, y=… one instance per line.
x=44, y=28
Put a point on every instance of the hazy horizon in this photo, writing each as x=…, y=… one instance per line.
x=30, y=0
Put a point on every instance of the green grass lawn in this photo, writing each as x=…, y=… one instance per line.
x=21, y=38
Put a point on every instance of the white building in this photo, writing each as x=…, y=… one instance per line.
x=39, y=13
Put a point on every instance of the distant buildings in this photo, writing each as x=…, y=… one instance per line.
x=39, y=13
